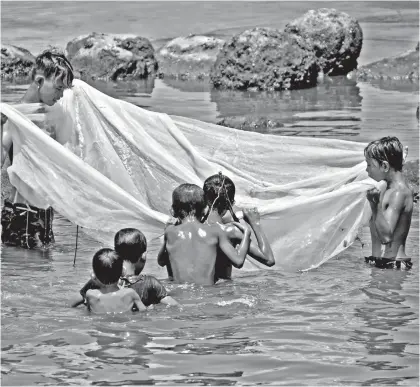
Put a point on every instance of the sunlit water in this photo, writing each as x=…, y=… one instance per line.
x=345, y=323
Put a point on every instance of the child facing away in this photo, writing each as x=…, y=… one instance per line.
x=107, y=266
x=219, y=194
x=392, y=208
x=131, y=246
x=191, y=247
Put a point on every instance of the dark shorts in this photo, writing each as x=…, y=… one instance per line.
x=389, y=263
x=26, y=226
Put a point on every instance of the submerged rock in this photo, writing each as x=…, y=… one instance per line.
x=398, y=68
x=265, y=59
x=115, y=57
x=188, y=57
x=15, y=62
x=335, y=37
x=253, y=123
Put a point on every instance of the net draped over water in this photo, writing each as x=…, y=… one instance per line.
x=120, y=164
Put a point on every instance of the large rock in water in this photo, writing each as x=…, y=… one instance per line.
x=15, y=62
x=335, y=37
x=115, y=57
x=403, y=67
x=189, y=57
x=265, y=59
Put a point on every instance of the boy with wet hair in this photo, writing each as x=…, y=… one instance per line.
x=23, y=224
x=191, y=247
x=131, y=245
x=392, y=206
x=219, y=194
x=107, y=266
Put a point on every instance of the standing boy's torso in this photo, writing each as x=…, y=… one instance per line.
x=192, y=250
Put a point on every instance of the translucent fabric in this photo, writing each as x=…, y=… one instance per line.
x=120, y=164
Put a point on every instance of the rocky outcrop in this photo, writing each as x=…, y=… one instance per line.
x=15, y=62
x=112, y=57
x=404, y=67
x=188, y=57
x=335, y=37
x=265, y=59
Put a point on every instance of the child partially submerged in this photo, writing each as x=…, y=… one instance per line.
x=392, y=208
x=191, y=247
x=107, y=266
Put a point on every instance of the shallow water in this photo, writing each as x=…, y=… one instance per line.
x=345, y=323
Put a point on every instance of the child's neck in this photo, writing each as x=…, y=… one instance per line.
x=31, y=95
x=393, y=177
x=214, y=217
x=129, y=268
x=190, y=219
x=109, y=288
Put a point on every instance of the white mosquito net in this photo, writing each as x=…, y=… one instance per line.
x=120, y=164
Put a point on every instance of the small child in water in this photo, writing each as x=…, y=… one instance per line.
x=191, y=247
x=219, y=194
x=107, y=266
x=392, y=207
x=131, y=246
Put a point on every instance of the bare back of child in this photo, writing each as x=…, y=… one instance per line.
x=219, y=194
x=392, y=207
x=109, y=298
x=191, y=247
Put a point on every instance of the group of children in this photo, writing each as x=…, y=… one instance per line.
x=199, y=247
x=206, y=239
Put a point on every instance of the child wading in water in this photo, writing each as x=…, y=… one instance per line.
x=107, y=266
x=219, y=194
x=131, y=246
x=191, y=247
x=392, y=208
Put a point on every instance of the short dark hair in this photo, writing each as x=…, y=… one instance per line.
x=130, y=244
x=107, y=266
x=387, y=149
x=219, y=192
x=188, y=199
x=52, y=63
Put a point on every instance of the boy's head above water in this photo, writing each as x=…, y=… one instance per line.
x=219, y=192
x=52, y=74
x=131, y=245
x=107, y=266
x=188, y=200
x=383, y=156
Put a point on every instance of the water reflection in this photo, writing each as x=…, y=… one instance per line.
x=331, y=109
x=387, y=318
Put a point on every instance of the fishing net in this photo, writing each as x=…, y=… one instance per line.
x=120, y=163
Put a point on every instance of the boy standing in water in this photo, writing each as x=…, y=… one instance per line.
x=191, y=247
x=107, y=266
x=23, y=224
x=392, y=208
x=219, y=194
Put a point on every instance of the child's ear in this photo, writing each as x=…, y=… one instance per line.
x=144, y=256
x=172, y=212
x=39, y=80
x=385, y=166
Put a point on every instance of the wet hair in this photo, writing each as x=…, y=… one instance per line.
x=387, y=149
x=107, y=266
x=188, y=199
x=219, y=192
x=130, y=244
x=52, y=63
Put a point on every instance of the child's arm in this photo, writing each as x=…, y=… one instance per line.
x=168, y=300
x=385, y=220
x=91, y=284
x=262, y=253
x=236, y=256
x=137, y=303
x=163, y=256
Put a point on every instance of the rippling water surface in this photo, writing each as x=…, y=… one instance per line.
x=345, y=323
